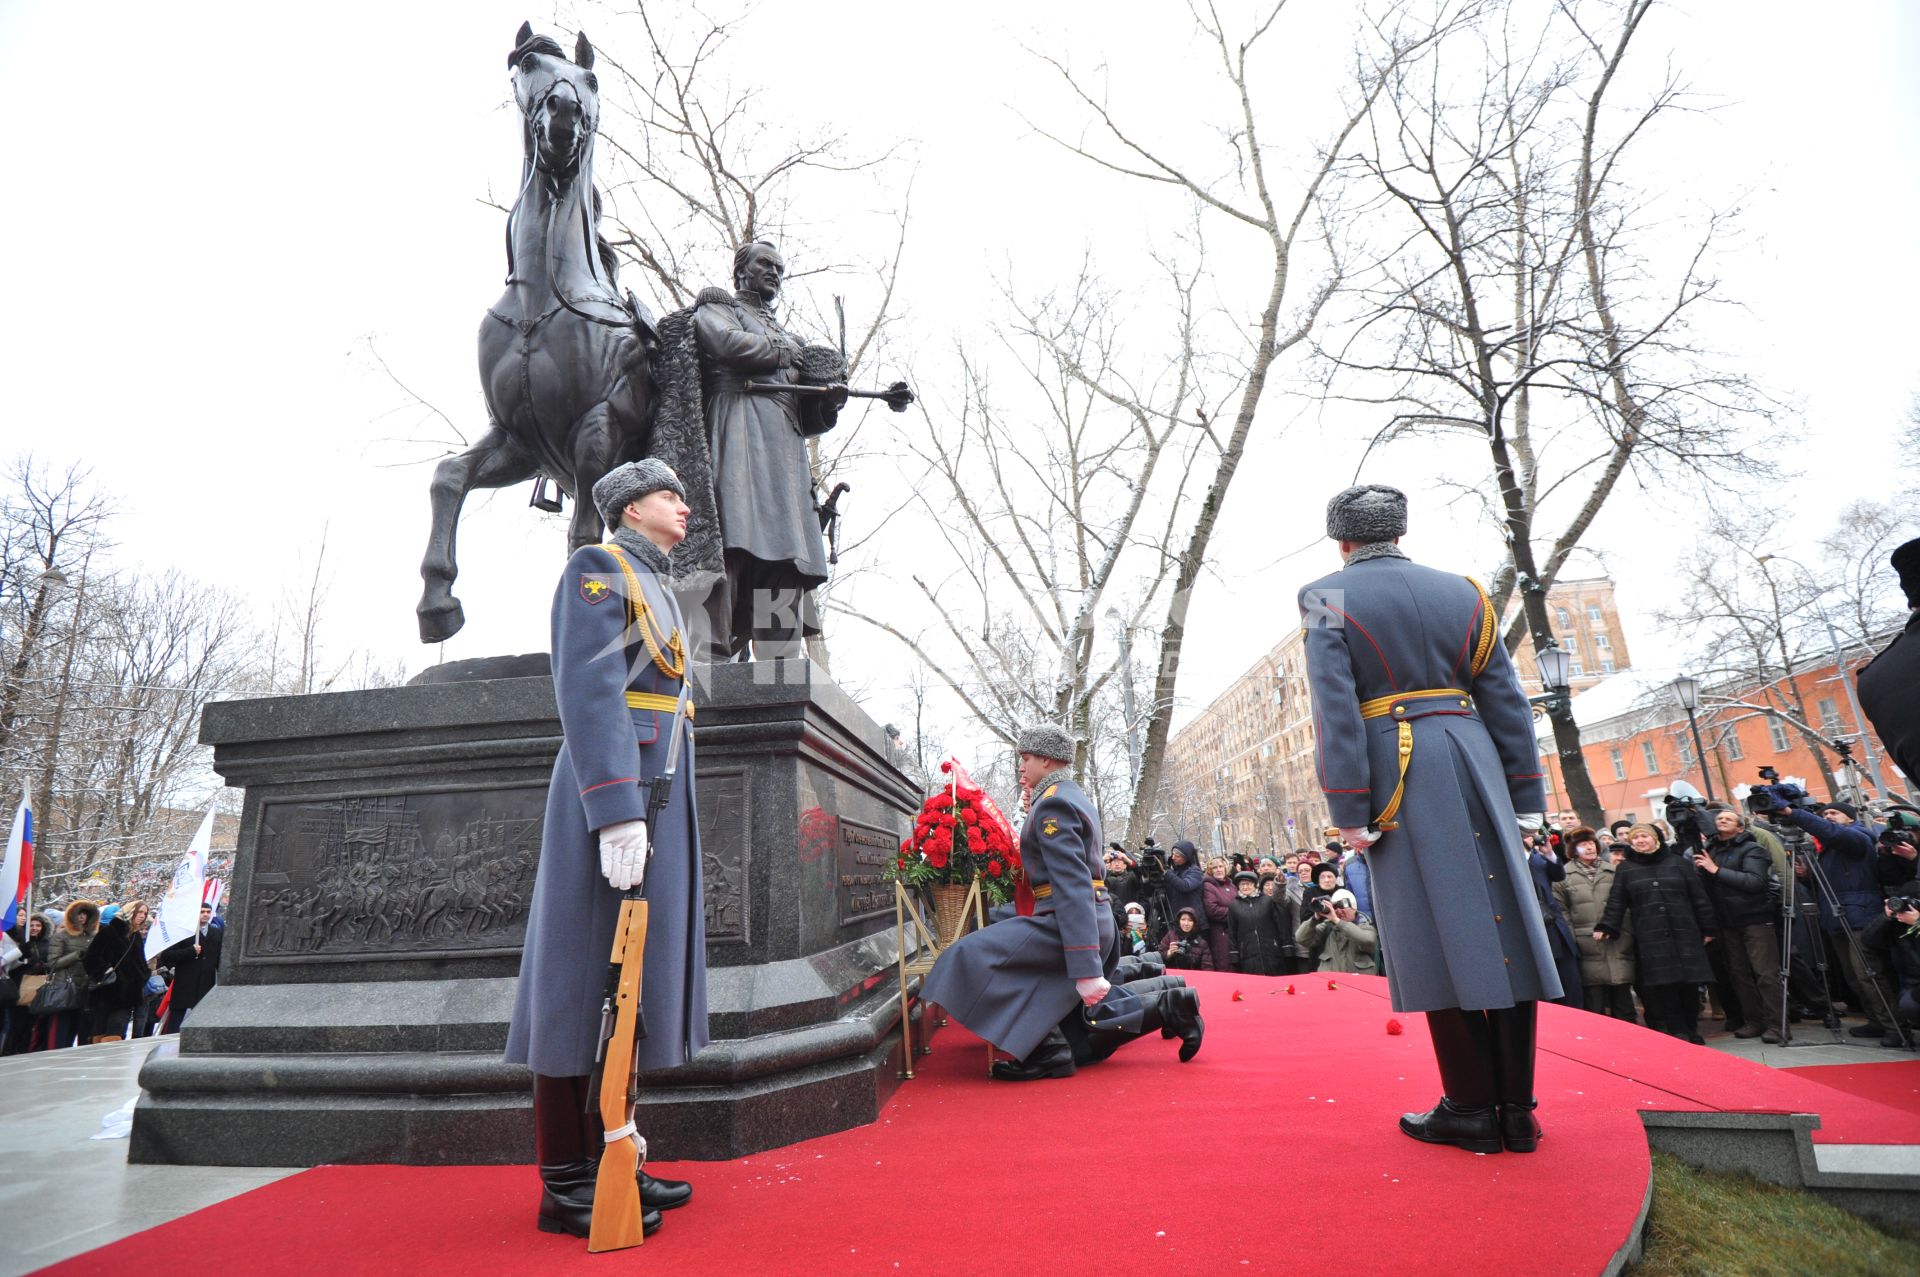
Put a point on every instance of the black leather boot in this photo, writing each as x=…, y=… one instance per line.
x=1181, y=1007
x=1465, y=1117
x=1142, y=966
x=1513, y=1039
x=1052, y=1058
x=567, y=1143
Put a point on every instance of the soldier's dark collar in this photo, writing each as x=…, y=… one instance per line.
x=1053, y=777
x=642, y=549
x=1375, y=550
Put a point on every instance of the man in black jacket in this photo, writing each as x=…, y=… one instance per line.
x=196, y=964
x=1738, y=880
x=1184, y=878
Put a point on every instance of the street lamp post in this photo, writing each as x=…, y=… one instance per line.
x=1554, y=663
x=1687, y=688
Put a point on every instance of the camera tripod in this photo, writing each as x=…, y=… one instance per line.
x=1789, y=891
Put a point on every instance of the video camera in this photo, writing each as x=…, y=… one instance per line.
x=1774, y=796
x=1152, y=862
x=1687, y=816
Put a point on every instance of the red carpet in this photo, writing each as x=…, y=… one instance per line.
x=1275, y=1151
x=1895, y=1084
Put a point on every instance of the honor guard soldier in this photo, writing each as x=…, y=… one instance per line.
x=1425, y=748
x=1036, y=985
x=619, y=665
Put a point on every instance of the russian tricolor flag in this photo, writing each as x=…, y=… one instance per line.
x=16, y=871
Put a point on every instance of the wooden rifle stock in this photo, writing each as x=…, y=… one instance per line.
x=616, y=1195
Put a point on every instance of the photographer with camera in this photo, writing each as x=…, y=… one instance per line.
x=1847, y=881
x=1183, y=883
x=1895, y=938
x=1739, y=881
x=1338, y=937
x=1185, y=945
x=1899, y=864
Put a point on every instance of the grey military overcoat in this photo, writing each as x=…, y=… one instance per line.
x=608, y=749
x=1013, y=981
x=762, y=480
x=1452, y=895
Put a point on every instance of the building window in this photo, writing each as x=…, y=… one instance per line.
x=1829, y=713
x=1686, y=756
x=1733, y=747
x=1574, y=669
x=1602, y=642
x=1593, y=613
x=1560, y=615
x=1606, y=666
x=1777, y=730
x=1619, y=764
x=1652, y=759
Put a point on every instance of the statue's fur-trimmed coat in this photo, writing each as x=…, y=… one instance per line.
x=1452, y=894
x=1013, y=981
x=608, y=748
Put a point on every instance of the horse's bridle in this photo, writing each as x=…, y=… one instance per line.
x=529, y=114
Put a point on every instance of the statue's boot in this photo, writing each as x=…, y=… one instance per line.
x=1466, y=1116
x=1143, y=966
x=1052, y=1058
x=1513, y=1050
x=567, y=1143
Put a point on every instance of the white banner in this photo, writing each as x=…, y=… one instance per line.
x=179, y=914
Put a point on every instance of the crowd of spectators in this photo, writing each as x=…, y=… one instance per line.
x=82, y=975
x=1644, y=926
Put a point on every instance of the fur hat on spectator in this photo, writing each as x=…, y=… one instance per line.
x=1246, y=875
x=623, y=485
x=1574, y=837
x=1368, y=513
x=1134, y=907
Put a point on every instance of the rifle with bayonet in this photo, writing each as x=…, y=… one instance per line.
x=617, y=1211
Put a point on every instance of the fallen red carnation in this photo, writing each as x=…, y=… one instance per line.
x=1394, y=1029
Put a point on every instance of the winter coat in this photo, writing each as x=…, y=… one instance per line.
x=193, y=974
x=118, y=949
x=1742, y=892
x=1354, y=872
x=1255, y=924
x=1449, y=882
x=1848, y=857
x=1340, y=946
x=1661, y=895
x=67, y=947
x=1583, y=894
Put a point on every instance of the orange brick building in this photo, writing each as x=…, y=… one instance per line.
x=1636, y=741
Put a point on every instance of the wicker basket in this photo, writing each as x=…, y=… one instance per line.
x=949, y=911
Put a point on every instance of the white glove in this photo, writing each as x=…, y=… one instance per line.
x=624, y=849
x=1092, y=990
x=1359, y=838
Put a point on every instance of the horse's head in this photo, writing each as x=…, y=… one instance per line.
x=559, y=100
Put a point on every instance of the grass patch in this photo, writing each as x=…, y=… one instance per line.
x=1707, y=1225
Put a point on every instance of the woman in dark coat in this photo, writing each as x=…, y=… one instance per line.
x=1672, y=922
x=32, y=939
x=1185, y=945
x=116, y=964
x=1253, y=923
x=1217, y=893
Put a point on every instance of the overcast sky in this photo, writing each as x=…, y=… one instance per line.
x=212, y=209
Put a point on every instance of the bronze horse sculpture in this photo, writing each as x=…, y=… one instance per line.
x=563, y=354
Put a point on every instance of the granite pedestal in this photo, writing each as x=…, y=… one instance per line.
x=387, y=850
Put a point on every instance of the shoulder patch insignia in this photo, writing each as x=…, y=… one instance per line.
x=595, y=588
x=1049, y=826
x=1051, y=791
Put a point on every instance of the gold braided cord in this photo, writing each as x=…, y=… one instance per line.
x=1381, y=706
x=1483, y=650
x=640, y=617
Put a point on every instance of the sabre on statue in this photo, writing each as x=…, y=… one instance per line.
x=899, y=396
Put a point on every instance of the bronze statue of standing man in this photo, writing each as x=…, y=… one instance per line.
x=775, y=555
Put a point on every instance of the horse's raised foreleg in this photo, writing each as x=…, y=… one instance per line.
x=596, y=450
x=494, y=462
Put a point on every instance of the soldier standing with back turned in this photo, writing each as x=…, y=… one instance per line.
x=1426, y=752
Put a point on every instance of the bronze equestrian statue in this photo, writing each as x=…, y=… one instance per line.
x=563, y=354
